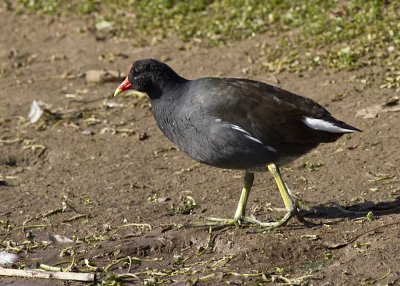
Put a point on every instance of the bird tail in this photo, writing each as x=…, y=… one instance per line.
x=329, y=124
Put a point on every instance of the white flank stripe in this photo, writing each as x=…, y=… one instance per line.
x=248, y=136
x=238, y=128
x=319, y=124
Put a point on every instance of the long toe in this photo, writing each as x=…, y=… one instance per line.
x=270, y=225
x=251, y=220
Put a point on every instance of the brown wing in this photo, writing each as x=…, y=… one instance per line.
x=270, y=114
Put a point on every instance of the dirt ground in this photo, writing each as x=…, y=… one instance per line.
x=94, y=167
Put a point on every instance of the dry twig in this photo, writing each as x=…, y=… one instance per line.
x=27, y=273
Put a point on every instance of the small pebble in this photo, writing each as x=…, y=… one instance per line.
x=87, y=132
x=60, y=239
x=142, y=136
x=7, y=258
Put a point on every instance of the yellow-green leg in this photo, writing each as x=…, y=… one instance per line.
x=290, y=205
x=240, y=218
x=287, y=200
x=241, y=208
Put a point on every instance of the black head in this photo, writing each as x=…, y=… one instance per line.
x=152, y=77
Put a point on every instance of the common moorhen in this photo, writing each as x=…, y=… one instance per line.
x=235, y=123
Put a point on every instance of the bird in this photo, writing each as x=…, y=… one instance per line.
x=235, y=123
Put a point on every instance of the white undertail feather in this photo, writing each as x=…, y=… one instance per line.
x=323, y=125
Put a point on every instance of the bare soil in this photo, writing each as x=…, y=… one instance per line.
x=102, y=165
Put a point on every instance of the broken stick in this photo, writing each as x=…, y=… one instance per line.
x=87, y=277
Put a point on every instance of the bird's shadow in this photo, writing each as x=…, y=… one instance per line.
x=333, y=210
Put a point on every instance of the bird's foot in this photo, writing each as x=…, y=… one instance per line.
x=242, y=221
x=251, y=220
x=294, y=211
